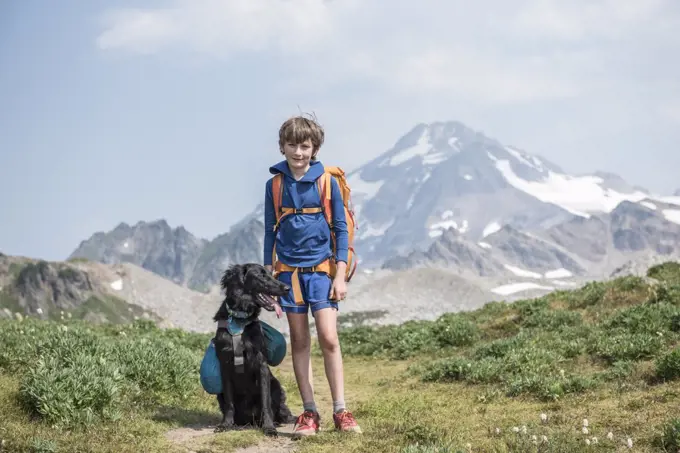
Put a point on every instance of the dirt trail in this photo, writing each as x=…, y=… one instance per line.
x=196, y=438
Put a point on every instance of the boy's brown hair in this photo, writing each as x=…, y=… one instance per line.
x=298, y=129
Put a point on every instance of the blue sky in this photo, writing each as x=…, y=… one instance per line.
x=124, y=111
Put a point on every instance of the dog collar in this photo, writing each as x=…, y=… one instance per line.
x=238, y=314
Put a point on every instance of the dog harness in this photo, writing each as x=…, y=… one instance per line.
x=235, y=324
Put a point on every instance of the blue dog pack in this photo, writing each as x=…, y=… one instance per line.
x=210, y=373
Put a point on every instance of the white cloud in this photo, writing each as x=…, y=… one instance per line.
x=491, y=51
x=223, y=27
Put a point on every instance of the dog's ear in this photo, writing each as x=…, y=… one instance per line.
x=234, y=276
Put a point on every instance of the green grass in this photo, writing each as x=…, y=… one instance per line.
x=608, y=352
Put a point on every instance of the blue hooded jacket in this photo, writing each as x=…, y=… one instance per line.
x=303, y=240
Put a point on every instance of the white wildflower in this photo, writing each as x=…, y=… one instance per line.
x=534, y=439
x=468, y=446
x=524, y=429
x=544, y=438
x=562, y=373
x=21, y=332
x=515, y=429
x=69, y=315
x=585, y=422
x=630, y=443
x=39, y=311
x=544, y=418
x=594, y=439
x=498, y=430
x=587, y=441
x=585, y=430
x=610, y=435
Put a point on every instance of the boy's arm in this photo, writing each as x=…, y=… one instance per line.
x=339, y=222
x=269, y=222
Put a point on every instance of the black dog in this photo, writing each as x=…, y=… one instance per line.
x=251, y=394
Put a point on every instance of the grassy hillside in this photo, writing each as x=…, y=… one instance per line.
x=585, y=370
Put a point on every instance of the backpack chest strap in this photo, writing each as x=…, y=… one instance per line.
x=283, y=212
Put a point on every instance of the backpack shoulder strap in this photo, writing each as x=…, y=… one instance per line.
x=277, y=196
x=324, y=183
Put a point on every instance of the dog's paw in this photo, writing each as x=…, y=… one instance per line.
x=223, y=427
x=270, y=431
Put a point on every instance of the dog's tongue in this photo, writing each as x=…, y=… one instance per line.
x=277, y=307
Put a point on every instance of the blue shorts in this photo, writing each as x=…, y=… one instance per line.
x=316, y=290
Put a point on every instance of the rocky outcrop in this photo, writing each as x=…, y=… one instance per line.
x=52, y=290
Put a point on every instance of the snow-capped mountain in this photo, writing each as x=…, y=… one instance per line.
x=443, y=176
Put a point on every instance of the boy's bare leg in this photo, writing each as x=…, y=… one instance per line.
x=327, y=331
x=301, y=345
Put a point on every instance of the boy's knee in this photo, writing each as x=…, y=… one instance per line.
x=329, y=343
x=300, y=342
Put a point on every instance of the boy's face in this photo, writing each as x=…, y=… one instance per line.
x=298, y=155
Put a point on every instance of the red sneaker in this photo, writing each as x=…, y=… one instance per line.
x=344, y=421
x=307, y=424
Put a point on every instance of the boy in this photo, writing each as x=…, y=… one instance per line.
x=304, y=241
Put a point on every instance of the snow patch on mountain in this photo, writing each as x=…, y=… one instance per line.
x=558, y=273
x=580, y=195
x=512, y=288
x=491, y=228
x=522, y=272
x=672, y=215
x=649, y=205
x=117, y=285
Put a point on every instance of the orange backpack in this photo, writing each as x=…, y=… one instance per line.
x=324, y=185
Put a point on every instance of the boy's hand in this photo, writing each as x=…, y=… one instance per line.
x=339, y=288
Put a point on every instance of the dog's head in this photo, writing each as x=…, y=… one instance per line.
x=249, y=287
